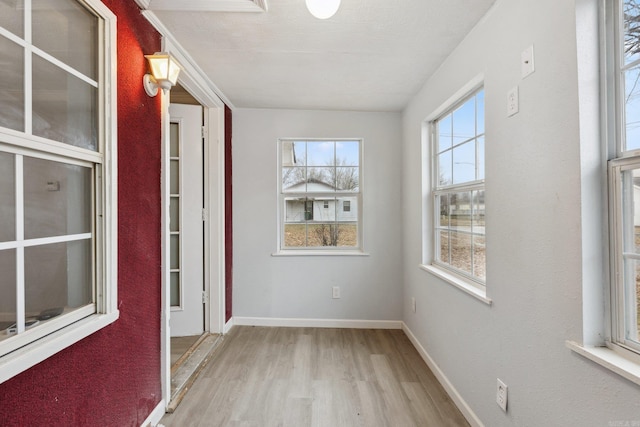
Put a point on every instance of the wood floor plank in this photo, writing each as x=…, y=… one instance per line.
x=303, y=377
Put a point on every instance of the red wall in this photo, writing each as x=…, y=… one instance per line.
x=112, y=378
x=228, y=226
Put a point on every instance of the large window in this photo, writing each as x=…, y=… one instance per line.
x=57, y=186
x=320, y=194
x=458, y=189
x=624, y=178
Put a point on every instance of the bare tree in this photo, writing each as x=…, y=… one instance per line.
x=632, y=27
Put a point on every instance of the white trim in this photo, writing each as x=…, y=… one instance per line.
x=311, y=252
x=457, y=398
x=317, y=323
x=155, y=416
x=205, y=5
x=609, y=359
x=463, y=285
x=227, y=326
x=28, y=356
x=192, y=77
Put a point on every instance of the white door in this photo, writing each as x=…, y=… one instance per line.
x=186, y=220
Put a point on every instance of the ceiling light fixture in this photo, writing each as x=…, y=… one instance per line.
x=323, y=9
x=164, y=73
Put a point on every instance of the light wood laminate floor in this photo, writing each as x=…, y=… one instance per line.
x=316, y=377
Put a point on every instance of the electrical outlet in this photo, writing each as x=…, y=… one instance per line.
x=336, y=292
x=413, y=304
x=501, y=395
x=512, y=102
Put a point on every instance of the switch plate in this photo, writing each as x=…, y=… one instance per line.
x=501, y=395
x=336, y=292
x=413, y=304
x=512, y=102
x=527, y=61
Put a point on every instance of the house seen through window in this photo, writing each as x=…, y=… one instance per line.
x=320, y=194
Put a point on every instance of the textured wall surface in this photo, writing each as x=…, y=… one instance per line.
x=112, y=378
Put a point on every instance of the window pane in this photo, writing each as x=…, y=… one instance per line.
x=444, y=169
x=64, y=107
x=174, y=177
x=444, y=133
x=174, y=252
x=464, y=122
x=479, y=258
x=464, y=163
x=461, y=251
x=294, y=153
x=442, y=206
x=347, y=235
x=58, y=276
x=67, y=31
x=174, y=214
x=12, y=16
x=480, y=149
x=295, y=235
x=632, y=300
x=174, y=140
x=320, y=153
x=347, y=153
x=443, y=246
x=461, y=211
x=631, y=11
x=632, y=109
x=57, y=198
x=7, y=198
x=322, y=235
x=7, y=290
x=174, y=292
x=11, y=84
x=347, y=209
x=347, y=179
x=294, y=179
x=295, y=210
x=480, y=112
x=478, y=212
x=321, y=179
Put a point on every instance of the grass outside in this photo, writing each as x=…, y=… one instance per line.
x=320, y=235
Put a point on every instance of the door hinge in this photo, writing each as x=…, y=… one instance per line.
x=205, y=297
x=204, y=132
x=204, y=214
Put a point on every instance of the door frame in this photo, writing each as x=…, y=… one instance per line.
x=193, y=79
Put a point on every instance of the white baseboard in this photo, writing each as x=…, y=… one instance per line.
x=227, y=326
x=156, y=415
x=317, y=323
x=470, y=416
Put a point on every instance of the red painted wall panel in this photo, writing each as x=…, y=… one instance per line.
x=112, y=378
x=228, y=227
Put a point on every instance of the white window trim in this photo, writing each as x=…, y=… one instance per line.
x=107, y=311
x=467, y=285
x=315, y=251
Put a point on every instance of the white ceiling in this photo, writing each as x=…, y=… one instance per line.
x=373, y=55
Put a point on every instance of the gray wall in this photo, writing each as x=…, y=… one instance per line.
x=300, y=287
x=537, y=236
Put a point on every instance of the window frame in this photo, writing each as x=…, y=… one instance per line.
x=437, y=190
x=282, y=250
x=44, y=341
x=619, y=160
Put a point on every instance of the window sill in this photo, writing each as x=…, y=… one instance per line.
x=463, y=285
x=24, y=358
x=305, y=252
x=609, y=359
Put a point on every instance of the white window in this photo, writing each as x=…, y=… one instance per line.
x=58, y=180
x=457, y=190
x=320, y=198
x=624, y=179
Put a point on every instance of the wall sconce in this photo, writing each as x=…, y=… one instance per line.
x=164, y=73
x=323, y=9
